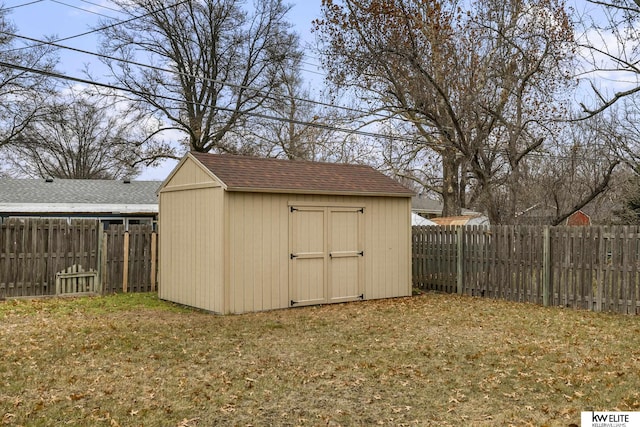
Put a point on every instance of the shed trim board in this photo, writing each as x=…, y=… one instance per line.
x=80, y=208
x=317, y=192
x=229, y=251
x=297, y=203
x=186, y=187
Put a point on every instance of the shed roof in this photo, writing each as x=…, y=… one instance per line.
x=241, y=173
x=77, y=195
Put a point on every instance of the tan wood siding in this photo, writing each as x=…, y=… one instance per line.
x=191, y=248
x=258, y=247
x=258, y=252
x=388, y=248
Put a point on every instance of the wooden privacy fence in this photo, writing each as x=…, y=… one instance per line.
x=593, y=268
x=130, y=261
x=40, y=257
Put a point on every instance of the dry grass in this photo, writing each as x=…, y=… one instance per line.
x=429, y=360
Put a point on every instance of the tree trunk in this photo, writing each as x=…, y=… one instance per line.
x=451, y=205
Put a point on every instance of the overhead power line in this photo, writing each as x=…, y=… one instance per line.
x=22, y=5
x=105, y=27
x=81, y=8
x=40, y=42
x=248, y=113
x=101, y=6
x=127, y=21
x=252, y=113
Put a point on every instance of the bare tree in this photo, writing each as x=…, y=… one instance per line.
x=571, y=174
x=21, y=92
x=87, y=135
x=284, y=125
x=295, y=131
x=478, y=85
x=610, y=45
x=213, y=62
x=293, y=124
x=624, y=204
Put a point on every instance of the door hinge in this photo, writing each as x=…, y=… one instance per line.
x=361, y=210
x=361, y=253
x=361, y=296
x=293, y=209
x=293, y=256
x=293, y=302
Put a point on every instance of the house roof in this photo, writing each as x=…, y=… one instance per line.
x=241, y=173
x=462, y=220
x=77, y=196
x=425, y=205
x=418, y=220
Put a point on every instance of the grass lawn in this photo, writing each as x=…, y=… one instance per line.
x=130, y=360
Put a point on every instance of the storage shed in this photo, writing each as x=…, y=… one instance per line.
x=241, y=234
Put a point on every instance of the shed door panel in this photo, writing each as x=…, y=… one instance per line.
x=327, y=258
x=345, y=254
x=308, y=256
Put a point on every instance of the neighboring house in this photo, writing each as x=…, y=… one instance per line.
x=578, y=219
x=113, y=202
x=430, y=208
x=541, y=214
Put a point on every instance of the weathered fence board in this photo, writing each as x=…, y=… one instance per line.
x=594, y=268
x=135, y=246
x=75, y=280
x=34, y=252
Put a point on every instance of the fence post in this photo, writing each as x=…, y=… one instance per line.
x=459, y=264
x=546, y=265
x=125, y=264
x=100, y=256
x=154, y=259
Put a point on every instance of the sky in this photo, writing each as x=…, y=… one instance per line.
x=67, y=18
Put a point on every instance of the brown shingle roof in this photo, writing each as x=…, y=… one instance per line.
x=242, y=173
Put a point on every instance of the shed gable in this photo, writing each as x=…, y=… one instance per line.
x=190, y=173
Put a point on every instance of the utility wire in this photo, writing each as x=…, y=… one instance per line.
x=254, y=114
x=140, y=93
x=311, y=57
x=96, y=30
x=248, y=113
x=81, y=8
x=122, y=22
x=258, y=115
x=22, y=5
x=101, y=6
x=40, y=42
